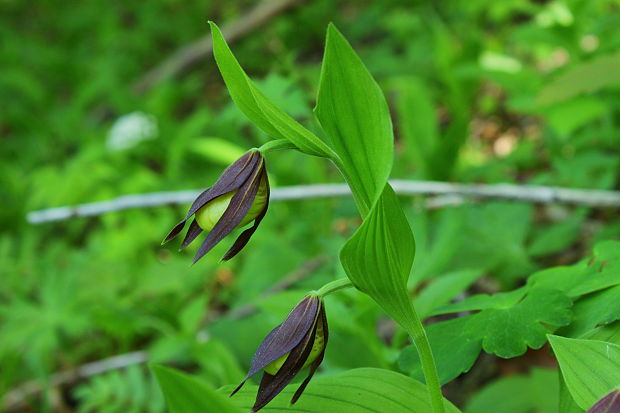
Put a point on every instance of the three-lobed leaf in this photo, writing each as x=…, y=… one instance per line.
x=507, y=325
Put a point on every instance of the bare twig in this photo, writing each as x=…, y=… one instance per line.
x=525, y=193
x=193, y=52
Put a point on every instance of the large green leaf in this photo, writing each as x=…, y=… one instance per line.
x=353, y=112
x=185, y=394
x=257, y=107
x=378, y=257
x=590, y=368
x=365, y=390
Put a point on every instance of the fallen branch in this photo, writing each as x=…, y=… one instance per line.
x=193, y=52
x=526, y=193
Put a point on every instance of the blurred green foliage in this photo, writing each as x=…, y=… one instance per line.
x=483, y=91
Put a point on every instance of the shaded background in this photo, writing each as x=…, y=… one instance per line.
x=481, y=91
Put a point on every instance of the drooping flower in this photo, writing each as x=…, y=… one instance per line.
x=298, y=342
x=240, y=196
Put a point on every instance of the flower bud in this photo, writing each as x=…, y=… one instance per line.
x=298, y=342
x=240, y=196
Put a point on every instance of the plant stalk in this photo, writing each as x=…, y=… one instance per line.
x=416, y=330
x=334, y=286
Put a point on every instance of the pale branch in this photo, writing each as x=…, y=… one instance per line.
x=526, y=193
x=191, y=53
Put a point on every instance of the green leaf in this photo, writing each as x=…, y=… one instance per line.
x=444, y=289
x=591, y=369
x=454, y=353
x=537, y=392
x=355, y=116
x=583, y=78
x=417, y=123
x=567, y=403
x=594, y=309
x=365, y=390
x=378, y=257
x=514, y=321
x=589, y=275
x=185, y=394
x=257, y=107
x=609, y=333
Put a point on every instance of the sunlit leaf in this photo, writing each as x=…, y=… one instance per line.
x=353, y=112
x=590, y=368
x=378, y=257
x=256, y=106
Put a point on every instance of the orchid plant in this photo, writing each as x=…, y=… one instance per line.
x=354, y=115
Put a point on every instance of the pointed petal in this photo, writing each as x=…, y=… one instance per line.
x=193, y=231
x=315, y=364
x=245, y=236
x=237, y=209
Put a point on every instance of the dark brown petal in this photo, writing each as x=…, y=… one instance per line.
x=232, y=178
x=315, y=364
x=270, y=386
x=245, y=236
x=282, y=339
x=235, y=212
x=193, y=231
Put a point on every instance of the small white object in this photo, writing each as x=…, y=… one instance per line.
x=131, y=129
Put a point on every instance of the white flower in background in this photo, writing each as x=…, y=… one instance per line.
x=130, y=129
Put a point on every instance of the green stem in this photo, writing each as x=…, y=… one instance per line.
x=416, y=330
x=275, y=145
x=334, y=286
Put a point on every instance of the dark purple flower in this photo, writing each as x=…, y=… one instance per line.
x=240, y=196
x=298, y=342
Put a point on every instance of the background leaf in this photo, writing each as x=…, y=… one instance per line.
x=583, y=78
x=185, y=394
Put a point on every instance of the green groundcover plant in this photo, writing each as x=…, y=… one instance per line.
x=569, y=307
